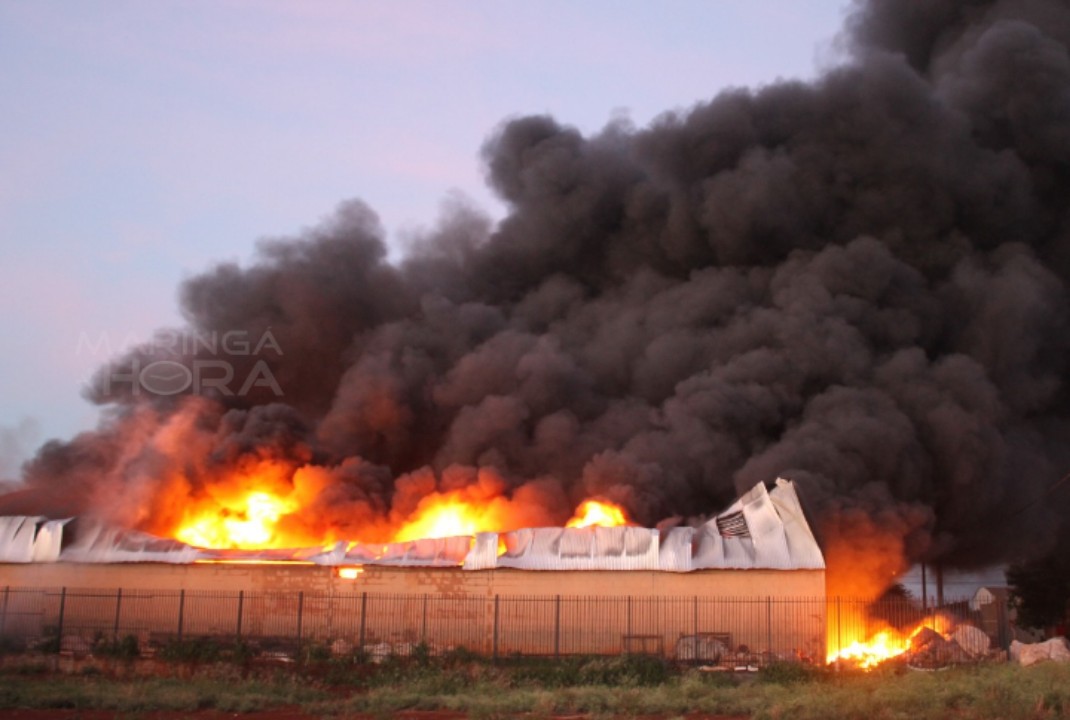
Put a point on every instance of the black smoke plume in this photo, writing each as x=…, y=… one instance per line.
x=859, y=282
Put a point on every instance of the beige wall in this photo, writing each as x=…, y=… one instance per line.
x=382, y=579
x=507, y=611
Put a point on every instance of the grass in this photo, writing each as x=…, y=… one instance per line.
x=598, y=687
x=100, y=693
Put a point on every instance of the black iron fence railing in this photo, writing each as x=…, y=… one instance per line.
x=748, y=631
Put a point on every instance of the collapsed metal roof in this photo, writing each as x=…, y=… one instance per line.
x=762, y=529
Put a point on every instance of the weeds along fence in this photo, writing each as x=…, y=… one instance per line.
x=726, y=630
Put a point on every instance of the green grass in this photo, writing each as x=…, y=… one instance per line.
x=598, y=687
x=993, y=691
x=99, y=693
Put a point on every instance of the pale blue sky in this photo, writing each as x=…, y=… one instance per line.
x=140, y=142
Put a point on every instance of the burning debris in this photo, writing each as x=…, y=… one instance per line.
x=935, y=642
x=859, y=283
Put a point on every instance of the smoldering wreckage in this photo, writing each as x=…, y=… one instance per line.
x=858, y=283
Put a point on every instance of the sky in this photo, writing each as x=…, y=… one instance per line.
x=143, y=142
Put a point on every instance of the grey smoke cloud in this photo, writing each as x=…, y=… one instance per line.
x=16, y=446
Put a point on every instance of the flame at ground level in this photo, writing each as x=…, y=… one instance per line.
x=868, y=650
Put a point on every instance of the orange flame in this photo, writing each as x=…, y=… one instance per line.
x=245, y=523
x=867, y=654
x=441, y=517
x=244, y=510
x=598, y=513
x=885, y=644
x=267, y=505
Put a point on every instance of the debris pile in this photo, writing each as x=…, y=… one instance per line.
x=930, y=650
x=1055, y=650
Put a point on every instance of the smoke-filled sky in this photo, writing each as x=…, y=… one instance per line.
x=142, y=142
x=857, y=280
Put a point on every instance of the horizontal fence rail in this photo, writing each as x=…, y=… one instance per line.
x=727, y=631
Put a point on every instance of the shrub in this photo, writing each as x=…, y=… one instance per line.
x=316, y=652
x=11, y=645
x=125, y=648
x=199, y=649
x=460, y=656
x=788, y=673
x=421, y=654
x=617, y=671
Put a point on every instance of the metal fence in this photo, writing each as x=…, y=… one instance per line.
x=736, y=631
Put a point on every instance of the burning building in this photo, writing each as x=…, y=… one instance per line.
x=653, y=589
x=858, y=282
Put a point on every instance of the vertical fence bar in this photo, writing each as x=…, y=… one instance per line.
x=694, y=617
x=363, y=617
x=423, y=623
x=118, y=609
x=557, y=626
x=62, y=609
x=3, y=614
x=769, y=626
x=181, y=611
x=839, y=629
x=1003, y=631
x=241, y=603
x=300, y=617
x=497, y=615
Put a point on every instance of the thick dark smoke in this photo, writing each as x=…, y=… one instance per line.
x=859, y=282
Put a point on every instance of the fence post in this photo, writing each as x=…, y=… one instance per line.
x=839, y=629
x=694, y=618
x=118, y=608
x=62, y=608
x=423, y=626
x=1004, y=631
x=363, y=617
x=769, y=626
x=181, y=611
x=3, y=614
x=241, y=603
x=629, y=629
x=557, y=626
x=300, y=616
x=497, y=615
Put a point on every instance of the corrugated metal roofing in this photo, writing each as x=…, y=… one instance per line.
x=430, y=552
x=762, y=529
x=30, y=539
x=99, y=543
x=590, y=548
